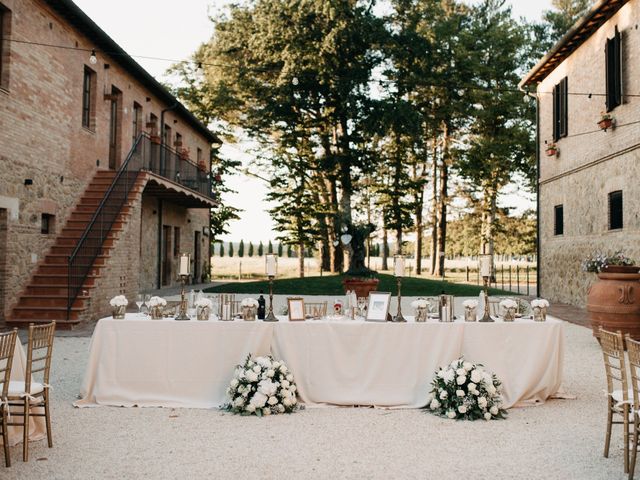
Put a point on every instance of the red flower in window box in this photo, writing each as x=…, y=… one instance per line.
x=605, y=122
x=551, y=150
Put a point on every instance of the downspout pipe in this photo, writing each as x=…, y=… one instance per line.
x=159, y=243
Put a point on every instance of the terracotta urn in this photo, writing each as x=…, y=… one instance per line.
x=362, y=286
x=613, y=302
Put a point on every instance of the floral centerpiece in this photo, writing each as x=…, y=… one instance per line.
x=262, y=386
x=606, y=120
x=599, y=262
x=421, y=307
x=510, y=306
x=551, y=149
x=203, y=308
x=156, y=305
x=464, y=390
x=470, y=308
x=249, y=308
x=119, y=305
x=539, y=306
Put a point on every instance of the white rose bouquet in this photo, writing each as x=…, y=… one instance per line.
x=262, y=386
x=249, y=302
x=508, y=303
x=203, y=303
x=470, y=304
x=156, y=302
x=419, y=303
x=539, y=303
x=464, y=390
x=119, y=301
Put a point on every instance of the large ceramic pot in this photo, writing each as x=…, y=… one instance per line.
x=613, y=302
x=362, y=286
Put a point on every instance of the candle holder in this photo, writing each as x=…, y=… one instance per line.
x=399, y=318
x=270, y=316
x=182, y=311
x=486, y=317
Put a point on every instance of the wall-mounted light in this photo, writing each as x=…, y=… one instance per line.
x=92, y=58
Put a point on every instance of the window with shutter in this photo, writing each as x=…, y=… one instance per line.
x=615, y=210
x=560, y=109
x=613, y=59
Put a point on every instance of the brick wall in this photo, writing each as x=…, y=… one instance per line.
x=591, y=163
x=3, y=259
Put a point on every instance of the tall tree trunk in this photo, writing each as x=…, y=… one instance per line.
x=301, y=260
x=434, y=207
x=346, y=185
x=337, y=252
x=443, y=200
x=385, y=249
x=419, y=224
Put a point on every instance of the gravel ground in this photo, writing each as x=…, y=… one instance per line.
x=562, y=439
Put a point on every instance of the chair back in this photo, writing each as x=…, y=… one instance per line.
x=633, y=350
x=40, y=346
x=7, y=349
x=315, y=309
x=612, y=345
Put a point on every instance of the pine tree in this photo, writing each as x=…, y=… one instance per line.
x=221, y=251
x=250, y=252
x=241, y=249
x=260, y=249
x=270, y=248
x=231, y=249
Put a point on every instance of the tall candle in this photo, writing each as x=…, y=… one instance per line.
x=485, y=265
x=184, y=264
x=399, y=266
x=271, y=265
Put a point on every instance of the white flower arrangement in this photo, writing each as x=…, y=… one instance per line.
x=470, y=303
x=119, y=301
x=156, y=302
x=203, y=303
x=509, y=303
x=419, y=303
x=464, y=390
x=249, y=302
x=540, y=303
x=262, y=386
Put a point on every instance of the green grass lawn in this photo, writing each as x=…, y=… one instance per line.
x=332, y=285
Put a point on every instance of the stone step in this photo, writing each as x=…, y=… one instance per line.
x=61, y=280
x=54, y=289
x=63, y=269
x=62, y=259
x=57, y=301
x=44, y=314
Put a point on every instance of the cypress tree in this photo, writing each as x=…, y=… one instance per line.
x=231, y=249
x=270, y=248
x=221, y=252
x=241, y=249
x=260, y=249
x=250, y=252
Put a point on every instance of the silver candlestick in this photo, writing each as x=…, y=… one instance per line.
x=486, y=317
x=270, y=316
x=399, y=318
x=182, y=312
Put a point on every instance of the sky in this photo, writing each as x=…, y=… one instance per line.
x=173, y=30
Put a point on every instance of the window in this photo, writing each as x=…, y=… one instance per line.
x=46, y=224
x=615, y=210
x=558, y=220
x=137, y=120
x=560, y=108
x=5, y=32
x=613, y=59
x=199, y=156
x=166, y=137
x=176, y=241
x=178, y=142
x=153, y=124
x=88, y=98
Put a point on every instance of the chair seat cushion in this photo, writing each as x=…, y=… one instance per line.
x=16, y=388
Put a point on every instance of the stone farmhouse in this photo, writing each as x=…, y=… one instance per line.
x=105, y=177
x=588, y=97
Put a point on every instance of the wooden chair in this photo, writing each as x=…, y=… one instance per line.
x=633, y=350
x=618, y=402
x=29, y=394
x=315, y=310
x=7, y=349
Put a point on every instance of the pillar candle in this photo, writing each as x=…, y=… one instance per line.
x=184, y=265
x=485, y=265
x=271, y=265
x=399, y=266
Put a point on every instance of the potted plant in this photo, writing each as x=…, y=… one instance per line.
x=358, y=278
x=613, y=301
x=551, y=150
x=606, y=121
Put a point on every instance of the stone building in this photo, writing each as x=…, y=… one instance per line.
x=589, y=194
x=99, y=163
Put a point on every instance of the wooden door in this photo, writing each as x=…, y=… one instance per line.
x=114, y=129
x=166, y=254
x=196, y=258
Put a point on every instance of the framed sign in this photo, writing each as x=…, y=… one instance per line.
x=378, y=307
x=296, y=309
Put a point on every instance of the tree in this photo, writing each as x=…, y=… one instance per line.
x=241, y=249
x=280, y=249
x=231, y=249
x=250, y=252
x=289, y=251
x=563, y=16
x=260, y=249
x=221, y=251
x=270, y=248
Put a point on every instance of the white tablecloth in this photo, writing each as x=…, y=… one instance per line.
x=138, y=361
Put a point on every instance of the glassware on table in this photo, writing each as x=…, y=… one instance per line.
x=362, y=306
x=139, y=302
x=145, y=304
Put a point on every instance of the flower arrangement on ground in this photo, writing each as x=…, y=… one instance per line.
x=262, y=386
x=465, y=391
x=598, y=261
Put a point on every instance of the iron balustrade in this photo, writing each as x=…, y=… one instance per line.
x=145, y=155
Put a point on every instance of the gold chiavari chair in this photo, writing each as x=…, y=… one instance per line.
x=30, y=395
x=315, y=309
x=633, y=349
x=7, y=349
x=618, y=402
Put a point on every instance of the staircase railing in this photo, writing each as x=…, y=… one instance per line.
x=144, y=155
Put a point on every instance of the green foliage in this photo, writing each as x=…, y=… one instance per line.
x=260, y=249
x=280, y=249
x=290, y=253
x=221, y=251
x=270, y=248
x=250, y=252
x=241, y=249
x=231, y=249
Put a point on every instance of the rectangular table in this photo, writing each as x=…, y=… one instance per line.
x=138, y=361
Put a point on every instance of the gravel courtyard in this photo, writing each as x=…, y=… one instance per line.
x=562, y=439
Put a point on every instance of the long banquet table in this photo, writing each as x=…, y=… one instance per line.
x=168, y=363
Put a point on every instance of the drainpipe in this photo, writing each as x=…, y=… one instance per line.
x=537, y=100
x=159, y=269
